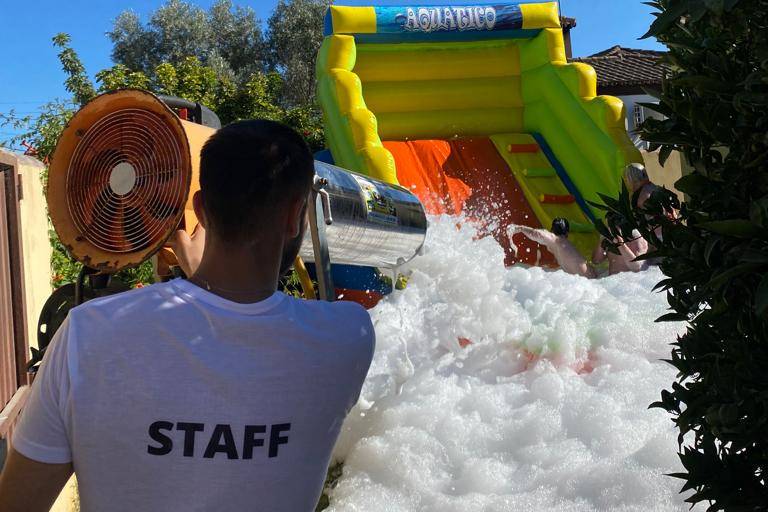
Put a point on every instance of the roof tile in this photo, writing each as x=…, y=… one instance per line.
x=626, y=66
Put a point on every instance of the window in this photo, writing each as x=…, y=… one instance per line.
x=638, y=116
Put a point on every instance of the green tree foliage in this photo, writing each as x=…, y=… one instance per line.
x=227, y=39
x=715, y=255
x=42, y=131
x=294, y=37
x=77, y=81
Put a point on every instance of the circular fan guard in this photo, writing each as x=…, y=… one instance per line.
x=125, y=185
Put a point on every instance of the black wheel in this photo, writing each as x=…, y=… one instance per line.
x=55, y=311
x=57, y=307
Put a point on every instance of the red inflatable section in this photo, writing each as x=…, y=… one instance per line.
x=469, y=176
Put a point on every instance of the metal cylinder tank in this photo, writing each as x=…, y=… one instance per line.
x=375, y=224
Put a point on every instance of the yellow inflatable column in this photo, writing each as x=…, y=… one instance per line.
x=345, y=114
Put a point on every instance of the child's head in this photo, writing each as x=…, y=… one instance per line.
x=635, y=176
x=560, y=227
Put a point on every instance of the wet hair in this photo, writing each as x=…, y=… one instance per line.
x=249, y=172
x=635, y=173
x=560, y=226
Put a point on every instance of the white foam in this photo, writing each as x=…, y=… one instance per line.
x=516, y=421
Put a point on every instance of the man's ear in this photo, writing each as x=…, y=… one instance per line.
x=297, y=215
x=197, y=204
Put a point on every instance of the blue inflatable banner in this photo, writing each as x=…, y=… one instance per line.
x=454, y=18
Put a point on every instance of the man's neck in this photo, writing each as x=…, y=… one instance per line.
x=244, y=275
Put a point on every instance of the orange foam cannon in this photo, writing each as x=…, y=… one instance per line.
x=556, y=199
x=122, y=177
x=523, y=148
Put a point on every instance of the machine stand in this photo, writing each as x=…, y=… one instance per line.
x=320, y=216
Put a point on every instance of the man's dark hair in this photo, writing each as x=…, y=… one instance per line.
x=248, y=171
x=560, y=226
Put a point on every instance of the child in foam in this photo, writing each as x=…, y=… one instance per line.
x=556, y=240
x=629, y=251
x=572, y=262
x=636, y=179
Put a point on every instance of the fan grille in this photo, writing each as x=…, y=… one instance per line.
x=125, y=183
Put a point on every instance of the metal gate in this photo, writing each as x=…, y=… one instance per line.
x=13, y=337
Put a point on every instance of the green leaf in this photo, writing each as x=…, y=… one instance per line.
x=712, y=243
x=740, y=228
x=672, y=317
x=653, y=93
x=716, y=6
x=664, y=154
x=693, y=184
x=661, y=108
x=758, y=212
x=704, y=83
x=720, y=279
x=667, y=18
x=754, y=256
x=600, y=227
x=761, y=296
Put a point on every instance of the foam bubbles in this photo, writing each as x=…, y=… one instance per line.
x=545, y=410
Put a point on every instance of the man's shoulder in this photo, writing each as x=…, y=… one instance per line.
x=136, y=302
x=340, y=321
x=324, y=308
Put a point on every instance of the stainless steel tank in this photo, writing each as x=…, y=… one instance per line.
x=375, y=224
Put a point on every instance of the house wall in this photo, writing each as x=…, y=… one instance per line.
x=629, y=102
x=674, y=167
x=666, y=176
x=36, y=246
x=68, y=500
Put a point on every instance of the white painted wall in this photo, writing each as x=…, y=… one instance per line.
x=629, y=102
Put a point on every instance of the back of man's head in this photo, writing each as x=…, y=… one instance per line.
x=560, y=226
x=250, y=173
x=635, y=174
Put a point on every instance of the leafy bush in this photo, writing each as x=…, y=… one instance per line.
x=715, y=255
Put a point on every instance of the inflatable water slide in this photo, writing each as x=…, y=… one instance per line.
x=476, y=110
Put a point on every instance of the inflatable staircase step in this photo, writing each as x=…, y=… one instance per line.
x=556, y=199
x=523, y=148
x=539, y=172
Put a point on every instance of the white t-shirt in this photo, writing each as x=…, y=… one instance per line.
x=172, y=398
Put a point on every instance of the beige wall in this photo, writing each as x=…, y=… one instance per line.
x=665, y=176
x=34, y=235
x=68, y=500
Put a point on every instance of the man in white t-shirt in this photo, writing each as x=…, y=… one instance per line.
x=212, y=393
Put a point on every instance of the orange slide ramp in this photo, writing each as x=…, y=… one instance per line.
x=469, y=176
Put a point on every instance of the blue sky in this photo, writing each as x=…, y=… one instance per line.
x=30, y=73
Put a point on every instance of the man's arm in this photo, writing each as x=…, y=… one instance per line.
x=40, y=460
x=188, y=249
x=30, y=486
